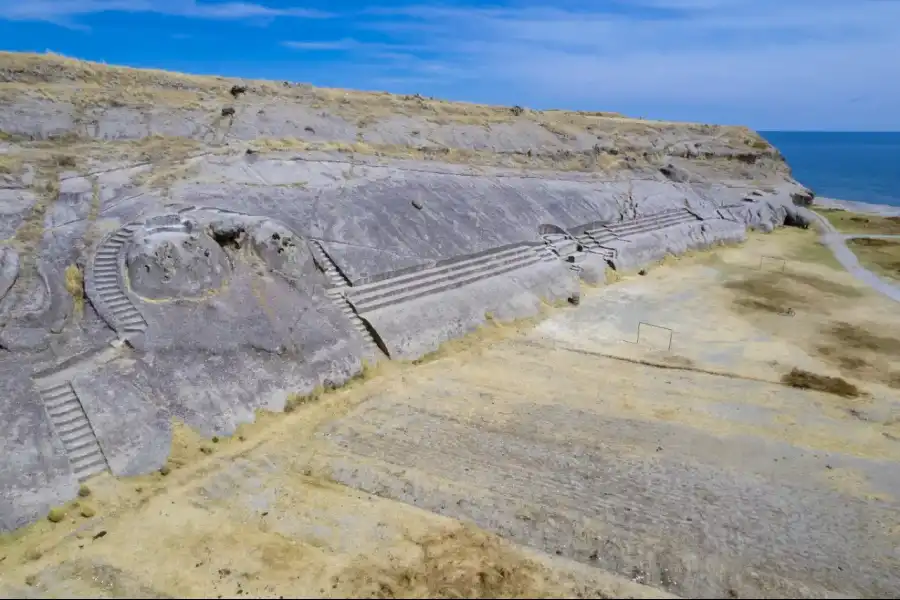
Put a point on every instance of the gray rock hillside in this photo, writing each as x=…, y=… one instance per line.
x=176, y=246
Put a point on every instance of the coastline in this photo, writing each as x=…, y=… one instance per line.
x=882, y=210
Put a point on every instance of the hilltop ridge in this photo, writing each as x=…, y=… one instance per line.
x=53, y=97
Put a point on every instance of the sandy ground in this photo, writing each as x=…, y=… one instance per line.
x=562, y=457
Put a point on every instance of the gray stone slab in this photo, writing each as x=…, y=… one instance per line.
x=643, y=249
x=34, y=473
x=410, y=330
x=127, y=417
x=14, y=206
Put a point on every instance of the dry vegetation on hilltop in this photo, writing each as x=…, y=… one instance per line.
x=585, y=141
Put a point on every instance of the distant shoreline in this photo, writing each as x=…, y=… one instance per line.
x=883, y=210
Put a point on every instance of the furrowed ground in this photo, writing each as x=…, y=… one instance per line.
x=561, y=457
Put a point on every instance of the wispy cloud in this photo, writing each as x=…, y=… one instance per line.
x=343, y=44
x=64, y=12
x=352, y=44
x=764, y=61
x=767, y=63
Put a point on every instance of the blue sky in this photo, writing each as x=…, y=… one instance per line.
x=769, y=64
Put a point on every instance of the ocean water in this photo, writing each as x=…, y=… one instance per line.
x=864, y=167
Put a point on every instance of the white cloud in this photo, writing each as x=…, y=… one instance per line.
x=64, y=11
x=351, y=44
x=769, y=63
x=343, y=44
x=766, y=63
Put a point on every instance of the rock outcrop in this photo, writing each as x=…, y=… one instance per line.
x=243, y=246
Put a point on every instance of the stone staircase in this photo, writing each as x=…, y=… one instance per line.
x=337, y=294
x=565, y=248
x=74, y=430
x=593, y=239
x=105, y=285
x=661, y=220
x=441, y=278
x=332, y=273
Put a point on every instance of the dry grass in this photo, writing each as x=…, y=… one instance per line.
x=814, y=251
x=29, y=234
x=776, y=292
x=881, y=256
x=296, y=400
x=74, y=282
x=93, y=87
x=798, y=378
x=557, y=161
x=461, y=562
x=851, y=222
x=858, y=351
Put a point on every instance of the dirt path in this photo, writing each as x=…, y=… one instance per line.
x=551, y=459
x=837, y=242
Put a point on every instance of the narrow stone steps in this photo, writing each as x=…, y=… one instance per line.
x=332, y=273
x=336, y=294
x=74, y=430
x=444, y=277
x=631, y=229
x=407, y=292
x=565, y=247
x=433, y=272
x=649, y=223
x=614, y=232
x=107, y=283
x=642, y=222
x=547, y=254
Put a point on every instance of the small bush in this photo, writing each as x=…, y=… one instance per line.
x=237, y=90
x=84, y=491
x=33, y=554
x=56, y=515
x=74, y=283
x=517, y=110
x=66, y=160
x=798, y=378
x=228, y=111
x=88, y=511
x=295, y=400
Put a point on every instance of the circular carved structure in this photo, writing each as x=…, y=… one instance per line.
x=175, y=264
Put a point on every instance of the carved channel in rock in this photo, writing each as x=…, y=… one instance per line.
x=9, y=270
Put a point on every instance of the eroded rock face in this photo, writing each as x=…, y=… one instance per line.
x=176, y=265
x=281, y=249
x=9, y=269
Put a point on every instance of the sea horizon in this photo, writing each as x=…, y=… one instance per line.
x=857, y=166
